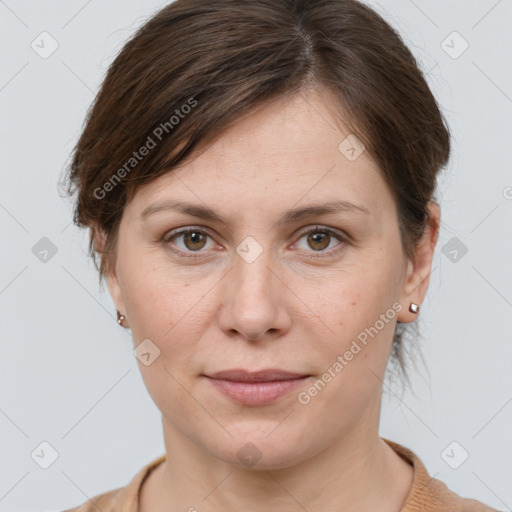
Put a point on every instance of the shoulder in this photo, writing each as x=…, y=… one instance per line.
x=429, y=494
x=440, y=498
x=106, y=502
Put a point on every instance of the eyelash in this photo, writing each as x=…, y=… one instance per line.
x=197, y=254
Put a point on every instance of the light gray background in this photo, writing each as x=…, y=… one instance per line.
x=67, y=371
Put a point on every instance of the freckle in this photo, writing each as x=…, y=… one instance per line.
x=188, y=284
x=353, y=303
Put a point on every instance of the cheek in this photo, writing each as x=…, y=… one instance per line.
x=173, y=311
x=350, y=297
x=166, y=311
x=156, y=294
x=355, y=359
x=353, y=310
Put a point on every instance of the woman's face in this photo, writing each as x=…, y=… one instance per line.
x=267, y=289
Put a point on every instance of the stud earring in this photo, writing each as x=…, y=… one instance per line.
x=120, y=318
x=414, y=308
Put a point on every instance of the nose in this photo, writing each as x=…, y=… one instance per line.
x=254, y=300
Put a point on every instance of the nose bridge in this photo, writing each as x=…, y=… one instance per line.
x=253, y=265
x=250, y=305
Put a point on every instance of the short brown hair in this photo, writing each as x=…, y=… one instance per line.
x=197, y=66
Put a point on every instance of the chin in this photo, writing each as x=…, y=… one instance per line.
x=267, y=450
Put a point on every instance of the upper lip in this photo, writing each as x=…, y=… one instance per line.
x=267, y=375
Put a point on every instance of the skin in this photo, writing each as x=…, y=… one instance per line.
x=283, y=310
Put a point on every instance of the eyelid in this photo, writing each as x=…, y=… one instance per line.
x=319, y=227
x=186, y=229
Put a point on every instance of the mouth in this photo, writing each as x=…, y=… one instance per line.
x=256, y=388
x=268, y=375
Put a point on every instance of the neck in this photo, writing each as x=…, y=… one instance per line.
x=358, y=472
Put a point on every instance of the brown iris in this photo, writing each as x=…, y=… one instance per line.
x=317, y=240
x=198, y=240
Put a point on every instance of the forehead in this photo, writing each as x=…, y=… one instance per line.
x=292, y=150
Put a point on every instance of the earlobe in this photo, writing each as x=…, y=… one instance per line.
x=112, y=282
x=417, y=279
x=115, y=290
x=117, y=297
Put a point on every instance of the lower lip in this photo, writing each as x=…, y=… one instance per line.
x=256, y=393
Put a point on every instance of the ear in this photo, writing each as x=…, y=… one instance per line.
x=111, y=278
x=417, y=277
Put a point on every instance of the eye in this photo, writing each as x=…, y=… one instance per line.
x=194, y=239
x=320, y=238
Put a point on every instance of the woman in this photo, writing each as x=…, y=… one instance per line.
x=258, y=181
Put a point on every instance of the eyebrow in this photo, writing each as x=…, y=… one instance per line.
x=288, y=217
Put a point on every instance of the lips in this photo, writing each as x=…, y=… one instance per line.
x=268, y=375
x=256, y=388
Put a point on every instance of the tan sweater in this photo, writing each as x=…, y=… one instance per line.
x=426, y=494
